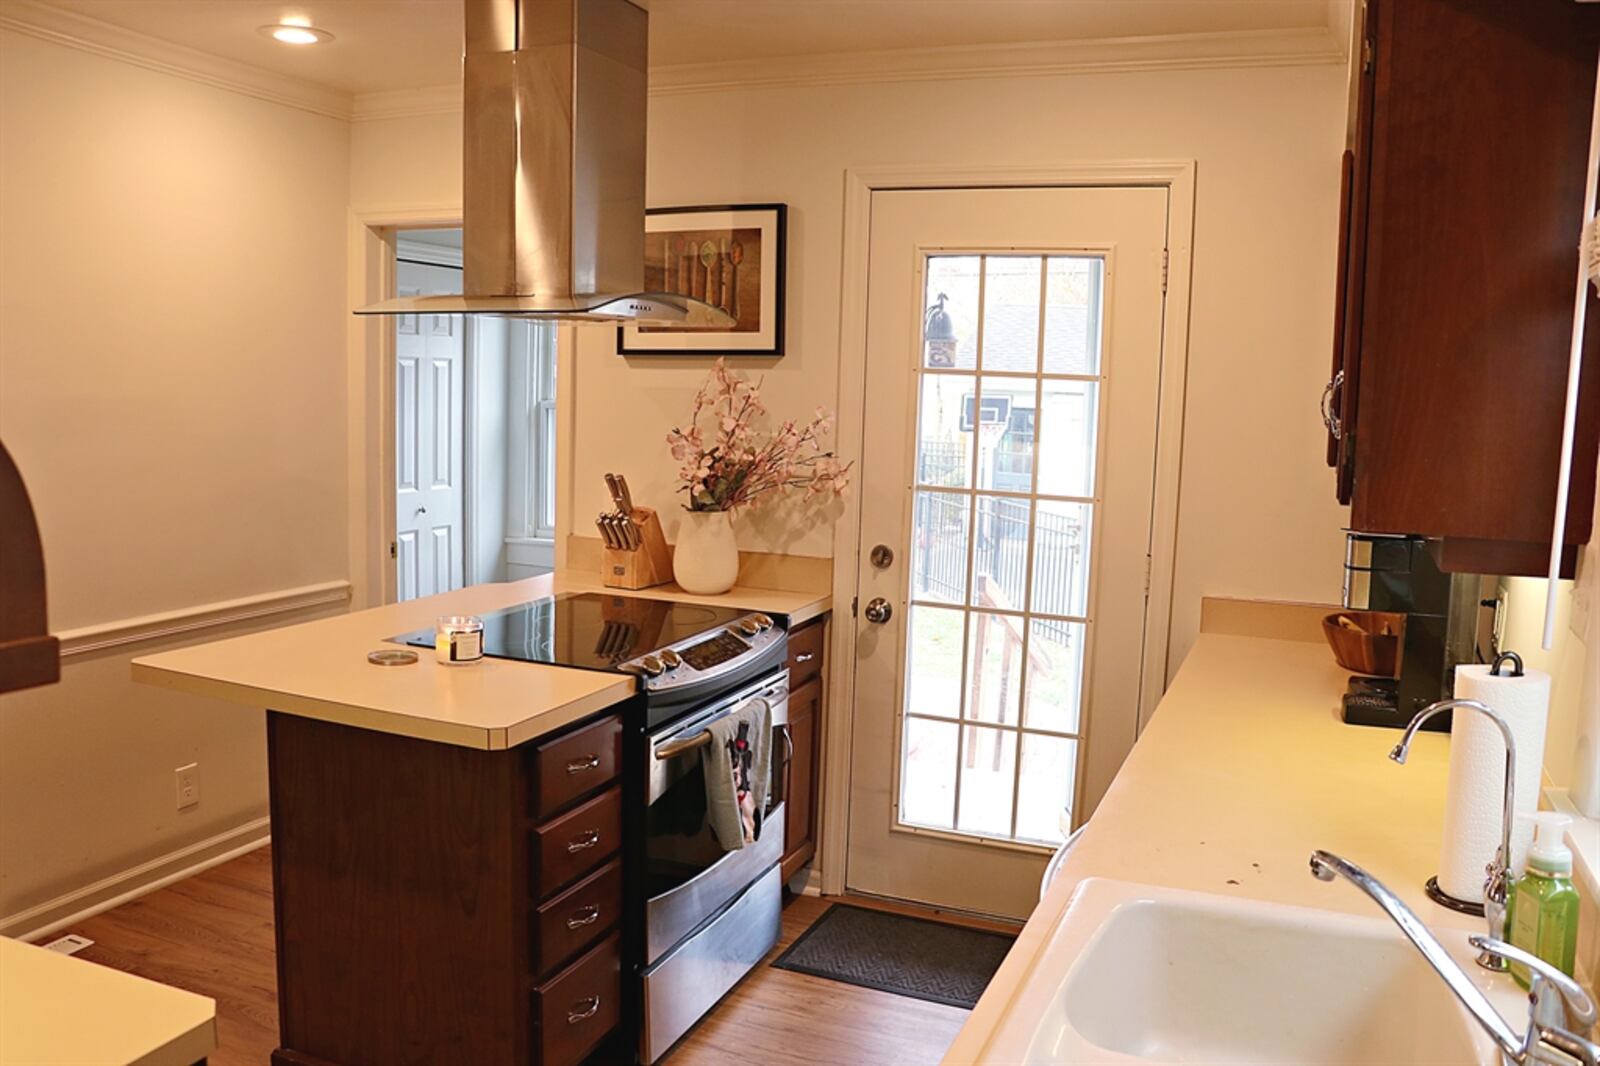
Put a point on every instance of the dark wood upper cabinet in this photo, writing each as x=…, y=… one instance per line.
x=1460, y=218
x=29, y=655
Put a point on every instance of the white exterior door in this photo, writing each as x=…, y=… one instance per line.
x=429, y=552
x=1012, y=384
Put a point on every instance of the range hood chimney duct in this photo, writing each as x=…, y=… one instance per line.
x=554, y=98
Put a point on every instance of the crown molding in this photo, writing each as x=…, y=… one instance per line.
x=72, y=30
x=1197, y=51
x=1191, y=51
x=404, y=103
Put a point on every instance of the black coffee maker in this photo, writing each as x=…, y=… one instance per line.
x=1389, y=572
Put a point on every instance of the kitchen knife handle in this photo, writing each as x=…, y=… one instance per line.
x=626, y=502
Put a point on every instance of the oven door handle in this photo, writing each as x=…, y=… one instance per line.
x=673, y=748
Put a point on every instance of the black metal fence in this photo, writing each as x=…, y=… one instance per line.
x=1000, y=554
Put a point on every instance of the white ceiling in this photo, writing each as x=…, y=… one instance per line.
x=409, y=44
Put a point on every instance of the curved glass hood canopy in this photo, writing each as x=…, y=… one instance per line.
x=554, y=97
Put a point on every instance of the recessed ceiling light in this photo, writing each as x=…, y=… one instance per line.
x=295, y=33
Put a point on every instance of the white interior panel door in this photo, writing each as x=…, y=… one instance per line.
x=1012, y=384
x=429, y=414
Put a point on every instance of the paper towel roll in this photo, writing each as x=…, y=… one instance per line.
x=1477, y=773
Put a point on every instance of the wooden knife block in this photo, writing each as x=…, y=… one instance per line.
x=639, y=568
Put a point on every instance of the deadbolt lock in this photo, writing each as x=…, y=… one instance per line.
x=882, y=556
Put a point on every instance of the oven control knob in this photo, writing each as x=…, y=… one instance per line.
x=762, y=620
x=672, y=659
x=748, y=626
x=652, y=665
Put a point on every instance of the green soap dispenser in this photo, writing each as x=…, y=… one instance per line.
x=1544, y=905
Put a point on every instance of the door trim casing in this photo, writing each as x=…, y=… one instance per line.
x=369, y=385
x=1178, y=178
x=369, y=382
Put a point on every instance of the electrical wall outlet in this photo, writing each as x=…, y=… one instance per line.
x=188, y=780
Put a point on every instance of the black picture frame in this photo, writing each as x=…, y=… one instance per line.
x=769, y=272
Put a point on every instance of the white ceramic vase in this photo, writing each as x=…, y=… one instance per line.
x=706, y=559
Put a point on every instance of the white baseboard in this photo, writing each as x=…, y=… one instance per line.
x=809, y=879
x=54, y=915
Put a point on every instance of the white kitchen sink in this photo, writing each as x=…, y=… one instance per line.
x=1140, y=974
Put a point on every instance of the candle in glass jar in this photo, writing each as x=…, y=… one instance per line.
x=458, y=639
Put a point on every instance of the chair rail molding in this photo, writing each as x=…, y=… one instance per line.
x=164, y=625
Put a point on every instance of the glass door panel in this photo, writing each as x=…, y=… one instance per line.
x=1007, y=442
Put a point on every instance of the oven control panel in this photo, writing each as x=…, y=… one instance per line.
x=706, y=655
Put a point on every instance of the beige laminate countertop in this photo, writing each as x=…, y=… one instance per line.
x=319, y=669
x=59, y=1011
x=1244, y=770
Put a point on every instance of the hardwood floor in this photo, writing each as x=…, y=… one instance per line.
x=212, y=934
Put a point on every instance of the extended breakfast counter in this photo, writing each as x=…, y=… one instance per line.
x=1244, y=769
x=464, y=868
x=320, y=669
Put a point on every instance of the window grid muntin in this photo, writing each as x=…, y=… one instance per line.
x=965, y=723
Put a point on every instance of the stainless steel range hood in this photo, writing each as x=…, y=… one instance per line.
x=553, y=169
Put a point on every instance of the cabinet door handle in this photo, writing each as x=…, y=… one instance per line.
x=1329, y=419
x=587, y=839
x=588, y=762
x=805, y=656
x=584, y=916
x=583, y=1010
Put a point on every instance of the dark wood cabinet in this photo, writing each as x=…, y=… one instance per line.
x=437, y=903
x=1460, y=215
x=807, y=698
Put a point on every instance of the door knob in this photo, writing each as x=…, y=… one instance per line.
x=878, y=611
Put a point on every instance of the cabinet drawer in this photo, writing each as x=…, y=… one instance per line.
x=570, y=922
x=571, y=844
x=805, y=653
x=575, y=764
x=576, y=1008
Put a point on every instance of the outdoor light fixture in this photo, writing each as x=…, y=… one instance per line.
x=939, y=335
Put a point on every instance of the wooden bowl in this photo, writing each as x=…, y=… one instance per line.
x=1366, y=642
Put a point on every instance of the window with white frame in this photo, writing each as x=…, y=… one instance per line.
x=531, y=511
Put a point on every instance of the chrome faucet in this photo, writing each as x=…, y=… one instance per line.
x=1561, y=1014
x=1497, y=880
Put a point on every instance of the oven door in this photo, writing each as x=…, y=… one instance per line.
x=690, y=878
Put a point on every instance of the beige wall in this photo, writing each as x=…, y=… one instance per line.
x=1258, y=518
x=1257, y=515
x=172, y=329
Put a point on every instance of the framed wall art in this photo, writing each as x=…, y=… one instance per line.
x=731, y=257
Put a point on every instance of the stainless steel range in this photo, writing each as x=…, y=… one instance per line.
x=708, y=915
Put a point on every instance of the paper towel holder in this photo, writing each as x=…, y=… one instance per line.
x=1516, y=664
x=1497, y=884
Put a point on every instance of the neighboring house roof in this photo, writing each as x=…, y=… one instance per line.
x=1011, y=338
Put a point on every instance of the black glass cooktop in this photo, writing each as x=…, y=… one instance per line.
x=592, y=631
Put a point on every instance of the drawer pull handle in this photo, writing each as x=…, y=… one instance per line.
x=805, y=656
x=583, y=1010
x=587, y=839
x=584, y=916
x=588, y=762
